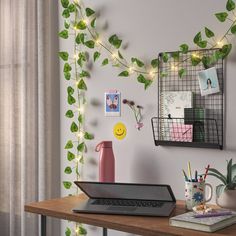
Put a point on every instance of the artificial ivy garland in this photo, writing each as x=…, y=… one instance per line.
x=80, y=26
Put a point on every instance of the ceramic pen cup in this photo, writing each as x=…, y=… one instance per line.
x=195, y=193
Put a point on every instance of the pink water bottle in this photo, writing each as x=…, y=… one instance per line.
x=106, y=162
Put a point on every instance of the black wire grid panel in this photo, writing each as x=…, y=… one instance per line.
x=192, y=129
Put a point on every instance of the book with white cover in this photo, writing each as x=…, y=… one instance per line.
x=208, y=224
x=172, y=104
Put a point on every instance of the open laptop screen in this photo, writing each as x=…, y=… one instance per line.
x=126, y=191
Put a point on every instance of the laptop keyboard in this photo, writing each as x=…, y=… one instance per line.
x=124, y=202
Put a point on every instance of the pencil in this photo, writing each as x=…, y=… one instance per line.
x=206, y=172
x=185, y=176
x=189, y=172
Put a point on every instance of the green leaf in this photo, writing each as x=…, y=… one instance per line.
x=67, y=67
x=67, y=75
x=69, y=114
x=67, y=184
x=74, y=127
x=230, y=5
x=96, y=55
x=71, y=100
x=81, y=147
x=163, y=74
x=77, y=39
x=93, y=23
x=68, y=170
x=124, y=73
x=195, y=60
x=81, y=25
x=184, y=48
x=120, y=55
x=88, y=136
x=89, y=11
x=65, y=3
x=222, y=16
x=138, y=62
x=84, y=73
x=82, y=58
x=69, y=145
x=197, y=38
x=147, y=84
x=64, y=55
x=182, y=72
x=165, y=57
x=70, y=90
x=64, y=34
x=234, y=172
x=68, y=232
x=155, y=63
x=105, y=62
x=175, y=55
x=202, y=44
x=220, y=176
x=82, y=85
x=66, y=25
x=229, y=171
x=90, y=44
x=80, y=119
x=115, y=41
x=72, y=7
x=82, y=231
x=233, y=29
x=206, y=61
x=225, y=50
x=209, y=33
x=70, y=156
x=66, y=13
x=141, y=79
x=220, y=189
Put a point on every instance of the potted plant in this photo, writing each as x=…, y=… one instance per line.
x=226, y=192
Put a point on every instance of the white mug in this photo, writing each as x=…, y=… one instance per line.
x=195, y=193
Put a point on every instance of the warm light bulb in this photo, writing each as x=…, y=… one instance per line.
x=98, y=41
x=76, y=1
x=76, y=83
x=75, y=56
x=85, y=21
x=131, y=69
x=220, y=44
x=195, y=55
x=174, y=68
x=114, y=55
x=151, y=72
x=81, y=109
x=80, y=134
x=75, y=27
x=77, y=230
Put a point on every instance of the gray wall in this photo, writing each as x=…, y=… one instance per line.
x=147, y=28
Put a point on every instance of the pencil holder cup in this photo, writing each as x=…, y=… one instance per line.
x=195, y=193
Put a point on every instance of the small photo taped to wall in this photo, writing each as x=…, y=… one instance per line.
x=112, y=103
x=208, y=81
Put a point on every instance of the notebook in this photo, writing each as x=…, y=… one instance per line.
x=172, y=104
x=209, y=224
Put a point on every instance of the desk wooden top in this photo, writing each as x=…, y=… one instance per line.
x=149, y=226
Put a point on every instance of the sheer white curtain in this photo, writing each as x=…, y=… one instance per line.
x=29, y=112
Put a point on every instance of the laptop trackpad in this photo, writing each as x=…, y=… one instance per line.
x=121, y=208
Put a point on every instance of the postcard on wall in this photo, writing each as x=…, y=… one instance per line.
x=208, y=81
x=112, y=103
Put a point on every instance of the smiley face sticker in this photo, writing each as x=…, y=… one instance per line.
x=119, y=131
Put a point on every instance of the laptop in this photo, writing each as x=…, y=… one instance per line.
x=126, y=199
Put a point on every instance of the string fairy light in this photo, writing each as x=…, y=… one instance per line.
x=80, y=134
x=219, y=43
x=131, y=69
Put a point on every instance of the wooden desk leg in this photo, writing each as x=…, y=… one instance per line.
x=104, y=231
x=43, y=225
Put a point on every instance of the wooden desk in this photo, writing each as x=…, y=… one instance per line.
x=149, y=226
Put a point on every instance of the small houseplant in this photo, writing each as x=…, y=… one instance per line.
x=226, y=192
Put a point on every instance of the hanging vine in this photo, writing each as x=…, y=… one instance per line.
x=80, y=27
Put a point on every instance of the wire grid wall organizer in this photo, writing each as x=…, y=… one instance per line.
x=200, y=125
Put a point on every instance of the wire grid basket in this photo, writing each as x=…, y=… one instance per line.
x=211, y=125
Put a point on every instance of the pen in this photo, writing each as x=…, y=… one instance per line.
x=189, y=172
x=185, y=176
x=206, y=171
x=196, y=175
